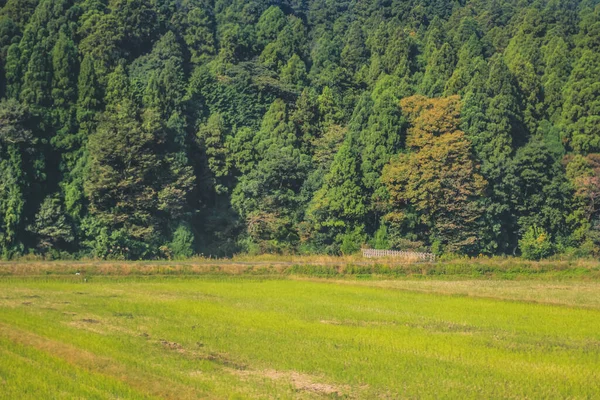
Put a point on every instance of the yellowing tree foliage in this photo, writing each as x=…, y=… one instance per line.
x=435, y=188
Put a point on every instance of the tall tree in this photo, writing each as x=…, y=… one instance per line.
x=383, y=137
x=438, y=72
x=436, y=189
x=581, y=110
x=338, y=207
x=125, y=185
x=268, y=197
x=16, y=176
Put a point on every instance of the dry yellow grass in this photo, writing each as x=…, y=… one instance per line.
x=565, y=293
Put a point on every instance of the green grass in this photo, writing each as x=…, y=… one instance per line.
x=505, y=268
x=268, y=337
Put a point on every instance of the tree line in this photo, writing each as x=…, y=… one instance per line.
x=166, y=128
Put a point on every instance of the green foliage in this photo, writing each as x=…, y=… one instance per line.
x=438, y=71
x=581, y=109
x=385, y=133
x=212, y=137
x=294, y=72
x=268, y=125
x=535, y=244
x=51, y=225
x=16, y=144
x=182, y=245
x=380, y=240
x=544, y=196
x=198, y=28
x=269, y=25
x=268, y=196
x=352, y=241
x=338, y=207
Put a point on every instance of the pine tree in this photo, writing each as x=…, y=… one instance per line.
x=269, y=25
x=438, y=71
x=268, y=196
x=37, y=80
x=383, y=137
x=469, y=59
x=354, y=54
x=102, y=37
x=64, y=59
x=305, y=119
x=294, y=72
x=9, y=34
x=556, y=73
x=16, y=147
x=119, y=185
x=338, y=207
x=88, y=96
x=13, y=73
x=51, y=225
x=198, y=27
x=543, y=195
x=581, y=110
x=213, y=136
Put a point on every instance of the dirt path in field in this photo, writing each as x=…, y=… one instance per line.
x=299, y=381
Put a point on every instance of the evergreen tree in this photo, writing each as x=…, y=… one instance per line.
x=338, y=207
x=9, y=34
x=383, y=137
x=64, y=89
x=269, y=25
x=438, y=71
x=543, y=195
x=198, y=27
x=51, y=226
x=213, y=136
x=556, y=73
x=37, y=80
x=294, y=73
x=581, y=110
x=119, y=183
x=268, y=196
x=16, y=178
x=469, y=59
x=354, y=54
x=305, y=119
x=12, y=71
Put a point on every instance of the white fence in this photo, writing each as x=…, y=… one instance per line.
x=408, y=255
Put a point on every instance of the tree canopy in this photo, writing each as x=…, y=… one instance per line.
x=167, y=128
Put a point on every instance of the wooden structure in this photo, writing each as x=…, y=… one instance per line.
x=407, y=255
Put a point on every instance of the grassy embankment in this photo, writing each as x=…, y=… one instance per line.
x=318, y=266
x=283, y=335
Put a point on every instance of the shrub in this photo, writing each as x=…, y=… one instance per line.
x=536, y=244
x=182, y=245
x=380, y=241
x=351, y=241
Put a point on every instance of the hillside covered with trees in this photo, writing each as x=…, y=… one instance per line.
x=166, y=128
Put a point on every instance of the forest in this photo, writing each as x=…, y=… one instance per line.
x=146, y=129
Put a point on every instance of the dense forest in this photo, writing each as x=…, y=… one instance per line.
x=167, y=128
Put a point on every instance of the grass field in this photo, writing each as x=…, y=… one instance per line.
x=298, y=337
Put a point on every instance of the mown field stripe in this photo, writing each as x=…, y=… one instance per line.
x=152, y=386
x=575, y=295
